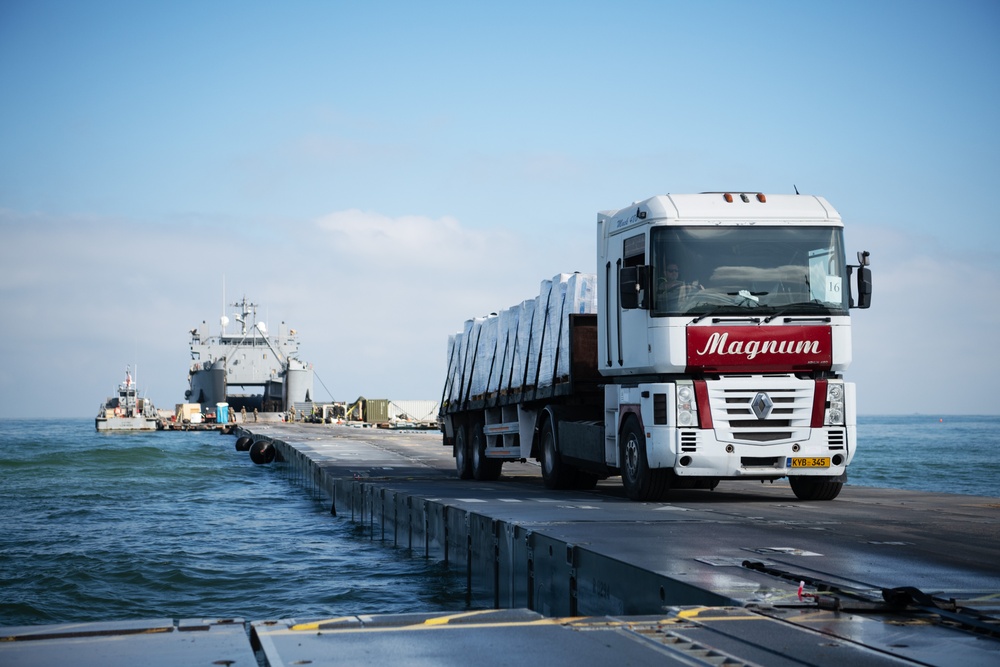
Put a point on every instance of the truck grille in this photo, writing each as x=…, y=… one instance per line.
x=837, y=439
x=689, y=441
x=761, y=409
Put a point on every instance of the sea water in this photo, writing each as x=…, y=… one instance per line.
x=941, y=453
x=104, y=526
x=118, y=526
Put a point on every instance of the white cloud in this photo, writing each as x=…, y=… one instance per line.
x=926, y=344
x=404, y=284
x=438, y=245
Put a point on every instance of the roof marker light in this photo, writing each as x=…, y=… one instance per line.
x=728, y=197
x=761, y=198
x=744, y=197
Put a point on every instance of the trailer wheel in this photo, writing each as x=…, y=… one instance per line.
x=483, y=469
x=806, y=488
x=555, y=473
x=640, y=481
x=463, y=458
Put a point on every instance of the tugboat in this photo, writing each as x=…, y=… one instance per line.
x=125, y=411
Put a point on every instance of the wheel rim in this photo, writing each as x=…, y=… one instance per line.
x=631, y=462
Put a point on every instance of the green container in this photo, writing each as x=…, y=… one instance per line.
x=376, y=410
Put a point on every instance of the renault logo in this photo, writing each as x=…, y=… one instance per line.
x=761, y=405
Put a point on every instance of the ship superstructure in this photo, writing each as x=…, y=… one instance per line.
x=248, y=368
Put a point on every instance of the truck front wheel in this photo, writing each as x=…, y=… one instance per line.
x=463, y=458
x=809, y=488
x=640, y=481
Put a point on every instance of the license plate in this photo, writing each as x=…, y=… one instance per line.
x=809, y=462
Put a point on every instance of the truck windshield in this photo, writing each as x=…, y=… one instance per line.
x=697, y=270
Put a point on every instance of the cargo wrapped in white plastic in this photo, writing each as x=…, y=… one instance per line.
x=486, y=347
x=460, y=382
x=535, y=335
x=549, y=333
x=506, y=338
x=472, y=355
x=523, y=348
x=581, y=294
x=525, y=315
x=454, y=344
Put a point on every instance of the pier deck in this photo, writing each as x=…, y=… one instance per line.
x=742, y=546
x=744, y=574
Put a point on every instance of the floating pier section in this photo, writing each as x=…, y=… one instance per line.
x=876, y=574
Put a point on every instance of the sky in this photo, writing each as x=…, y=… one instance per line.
x=375, y=173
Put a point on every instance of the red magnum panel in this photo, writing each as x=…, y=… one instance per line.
x=750, y=349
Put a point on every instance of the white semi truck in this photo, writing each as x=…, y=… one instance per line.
x=710, y=345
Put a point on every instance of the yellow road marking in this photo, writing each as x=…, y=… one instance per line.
x=315, y=625
x=694, y=615
x=444, y=620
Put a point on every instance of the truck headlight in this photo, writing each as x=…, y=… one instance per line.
x=835, y=404
x=687, y=407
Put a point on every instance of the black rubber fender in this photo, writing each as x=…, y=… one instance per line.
x=262, y=451
x=243, y=443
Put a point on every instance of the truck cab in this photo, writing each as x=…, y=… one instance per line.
x=723, y=333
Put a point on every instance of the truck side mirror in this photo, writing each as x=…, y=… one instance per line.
x=633, y=286
x=864, y=287
x=864, y=281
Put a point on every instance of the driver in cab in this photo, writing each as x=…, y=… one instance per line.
x=671, y=290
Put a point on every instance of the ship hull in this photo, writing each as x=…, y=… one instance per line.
x=208, y=386
x=126, y=423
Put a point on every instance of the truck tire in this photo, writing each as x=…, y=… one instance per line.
x=640, y=481
x=483, y=469
x=463, y=457
x=808, y=488
x=555, y=473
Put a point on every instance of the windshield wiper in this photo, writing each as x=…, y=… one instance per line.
x=806, y=305
x=742, y=301
x=708, y=312
x=736, y=311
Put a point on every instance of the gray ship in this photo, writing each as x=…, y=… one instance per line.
x=247, y=369
x=126, y=411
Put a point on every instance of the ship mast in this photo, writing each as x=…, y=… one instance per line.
x=223, y=319
x=246, y=309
